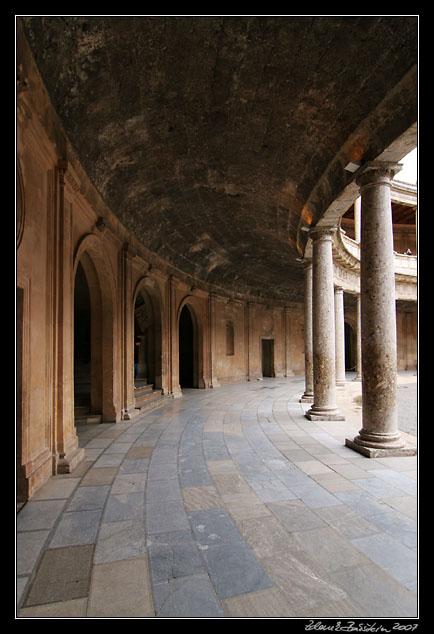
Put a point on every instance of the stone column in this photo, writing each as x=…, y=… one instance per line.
x=358, y=376
x=308, y=357
x=340, y=336
x=379, y=434
x=323, y=322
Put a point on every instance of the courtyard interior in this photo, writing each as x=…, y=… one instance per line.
x=227, y=503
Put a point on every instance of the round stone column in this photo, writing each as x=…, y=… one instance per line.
x=379, y=434
x=308, y=356
x=323, y=322
x=340, y=336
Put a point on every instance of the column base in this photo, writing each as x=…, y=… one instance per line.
x=376, y=452
x=69, y=462
x=306, y=398
x=324, y=413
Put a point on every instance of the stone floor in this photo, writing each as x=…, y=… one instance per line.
x=225, y=503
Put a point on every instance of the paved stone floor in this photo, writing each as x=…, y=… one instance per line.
x=225, y=503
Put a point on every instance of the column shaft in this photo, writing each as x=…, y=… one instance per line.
x=379, y=434
x=308, y=352
x=324, y=370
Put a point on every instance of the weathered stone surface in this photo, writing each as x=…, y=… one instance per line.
x=195, y=127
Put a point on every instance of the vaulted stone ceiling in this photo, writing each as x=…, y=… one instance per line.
x=214, y=140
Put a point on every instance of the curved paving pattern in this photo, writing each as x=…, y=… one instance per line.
x=225, y=503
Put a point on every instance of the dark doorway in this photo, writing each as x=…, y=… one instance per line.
x=267, y=357
x=82, y=341
x=350, y=348
x=186, y=349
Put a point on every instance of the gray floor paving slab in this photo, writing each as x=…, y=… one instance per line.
x=335, y=551
x=398, y=525
x=273, y=490
x=75, y=528
x=214, y=526
x=173, y=555
x=315, y=496
x=88, y=498
x=187, y=597
x=378, y=488
x=129, y=483
x=376, y=592
x=216, y=505
x=396, y=479
x=57, y=489
x=234, y=569
x=165, y=517
x=192, y=477
x=29, y=547
x=295, y=515
x=400, y=562
x=120, y=540
x=362, y=501
x=134, y=465
x=125, y=506
x=37, y=515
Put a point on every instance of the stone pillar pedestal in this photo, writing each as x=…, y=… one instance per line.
x=340, y=336
x=308, y=357
x=379, y=435
x=323, y=322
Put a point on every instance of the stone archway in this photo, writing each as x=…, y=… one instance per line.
x=92, y=277
x=147, y=315
x=190, y=338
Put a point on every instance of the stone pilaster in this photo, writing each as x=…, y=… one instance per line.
x=379, y=435
x=340, y=336
x=323, y=322
x=308, y=352
x=213, y=344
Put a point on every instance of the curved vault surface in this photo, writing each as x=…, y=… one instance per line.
x=214, y=139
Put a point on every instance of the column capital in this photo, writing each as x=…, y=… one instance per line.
x=322, y=233
x=377, y=172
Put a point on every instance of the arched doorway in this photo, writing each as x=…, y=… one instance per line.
x=350, y=348
x=82, y=345
x=188, y=349
x=267, y=350
x=147, y=339
x=94, y=350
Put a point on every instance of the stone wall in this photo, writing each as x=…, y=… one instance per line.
x=61, y=226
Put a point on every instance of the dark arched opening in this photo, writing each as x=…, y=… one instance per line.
x=186, y=349
x=82, y=343
x=350, y=348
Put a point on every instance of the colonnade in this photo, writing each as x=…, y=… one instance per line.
x=376, y=332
